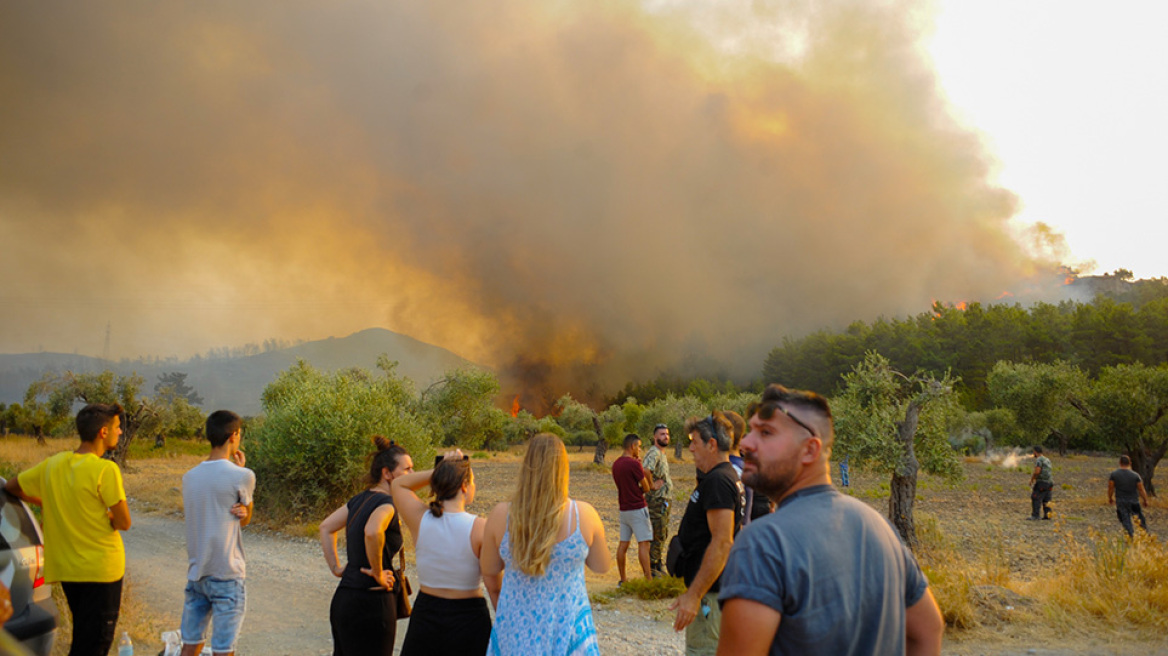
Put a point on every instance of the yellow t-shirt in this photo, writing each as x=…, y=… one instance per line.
x=77, y=490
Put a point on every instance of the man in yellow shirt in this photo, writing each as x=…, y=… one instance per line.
x=84, y=508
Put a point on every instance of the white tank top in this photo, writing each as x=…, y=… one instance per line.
x=444, y=557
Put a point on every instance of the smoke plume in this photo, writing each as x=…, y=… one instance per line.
x=597, y=188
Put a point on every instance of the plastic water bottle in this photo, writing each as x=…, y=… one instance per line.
x=125, y=645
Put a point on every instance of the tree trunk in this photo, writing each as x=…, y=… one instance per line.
x=601, y=444
x=39, y=433
x=903, y=488
x=1062, y=442
x=678, y=447
x=1144, y=463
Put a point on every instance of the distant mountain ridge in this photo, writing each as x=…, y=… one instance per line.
x=238, y=383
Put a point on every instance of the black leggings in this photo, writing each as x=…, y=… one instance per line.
x=448, y=627
x=364, y=622
x=95, y=608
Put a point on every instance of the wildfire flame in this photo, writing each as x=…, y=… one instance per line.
x=515, y=406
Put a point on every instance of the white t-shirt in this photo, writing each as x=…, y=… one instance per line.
x=214, y=540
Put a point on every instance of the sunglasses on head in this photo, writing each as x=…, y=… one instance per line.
x=796, y=420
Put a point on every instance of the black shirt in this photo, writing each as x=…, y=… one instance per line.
x=718, y=489
x=1126, y=485
x=360, y=508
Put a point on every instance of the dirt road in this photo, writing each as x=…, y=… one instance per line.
x=289, y=590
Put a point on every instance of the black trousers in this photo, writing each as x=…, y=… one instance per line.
x=364, y=622
x=448, y=627
x=1124, y=511
x=95, y=608
x=1040, y=499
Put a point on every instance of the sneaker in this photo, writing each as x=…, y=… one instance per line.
x=1032, y=518
x=620, y=584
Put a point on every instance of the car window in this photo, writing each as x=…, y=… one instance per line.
x=16, y=527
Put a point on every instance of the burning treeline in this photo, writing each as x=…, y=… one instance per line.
x=578, y=194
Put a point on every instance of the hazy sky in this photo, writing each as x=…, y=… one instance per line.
x=594, y=184
x=1072, y=97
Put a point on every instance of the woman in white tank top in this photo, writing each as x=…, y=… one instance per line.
x=450, y=614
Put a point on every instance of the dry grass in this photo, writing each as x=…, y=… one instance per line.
x=1119, y=582
x=1075, y=580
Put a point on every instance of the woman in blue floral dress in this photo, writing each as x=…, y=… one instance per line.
x=541, y=542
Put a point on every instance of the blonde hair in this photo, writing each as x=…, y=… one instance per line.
x=539, y=501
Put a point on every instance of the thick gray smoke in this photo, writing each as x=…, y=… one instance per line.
x=581, y=185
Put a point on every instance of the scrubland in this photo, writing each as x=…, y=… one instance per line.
x=1071, y=585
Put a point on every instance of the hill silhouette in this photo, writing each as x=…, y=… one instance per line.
x=238, y=383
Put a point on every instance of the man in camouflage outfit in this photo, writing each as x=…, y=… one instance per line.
x=657, y=466
x=1042, y=483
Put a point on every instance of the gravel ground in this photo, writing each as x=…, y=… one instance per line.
x=289, y=590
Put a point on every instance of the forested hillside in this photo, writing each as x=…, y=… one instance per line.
x=1124, y=324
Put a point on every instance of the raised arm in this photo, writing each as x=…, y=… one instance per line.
x=329, y=528
x=375, y=542
x=405, y=498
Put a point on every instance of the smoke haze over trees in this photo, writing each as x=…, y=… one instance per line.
x=575, y=194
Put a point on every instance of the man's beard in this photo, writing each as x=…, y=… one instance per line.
x=772, y=480
x=660, y=444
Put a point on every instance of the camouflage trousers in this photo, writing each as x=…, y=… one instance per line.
x=659, y=517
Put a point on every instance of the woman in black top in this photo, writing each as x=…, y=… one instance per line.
x=363, y=613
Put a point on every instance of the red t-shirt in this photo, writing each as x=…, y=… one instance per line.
x=627, y=473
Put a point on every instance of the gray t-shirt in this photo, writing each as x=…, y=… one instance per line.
x=834, y=568
x=1126, y=485
x=214, y=541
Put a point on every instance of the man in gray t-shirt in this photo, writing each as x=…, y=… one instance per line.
x=824, y=573
x=217, y=504
x=1125, y=490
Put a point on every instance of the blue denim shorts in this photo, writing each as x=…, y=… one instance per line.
x=207, y=598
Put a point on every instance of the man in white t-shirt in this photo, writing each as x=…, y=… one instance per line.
x=217, y=503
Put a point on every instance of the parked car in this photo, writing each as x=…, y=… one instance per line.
x=22, y=561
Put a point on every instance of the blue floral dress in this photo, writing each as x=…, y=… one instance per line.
x=548, y=615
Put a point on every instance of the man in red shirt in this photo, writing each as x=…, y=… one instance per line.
x=631, y=485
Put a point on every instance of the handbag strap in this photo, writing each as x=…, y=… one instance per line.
x=402, y=555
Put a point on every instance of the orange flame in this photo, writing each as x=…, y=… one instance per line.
x=1004, y=295
x=961, y=305
x=515, y=406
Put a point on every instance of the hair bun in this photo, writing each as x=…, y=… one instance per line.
x=381, y=443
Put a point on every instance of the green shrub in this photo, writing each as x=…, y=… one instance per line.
x=665, y=587
x=312, y=449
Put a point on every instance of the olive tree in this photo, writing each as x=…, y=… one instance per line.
x=1127, y=404
x=1047, y=399
x=896, y=424
x=312, y=446
x=461, y=408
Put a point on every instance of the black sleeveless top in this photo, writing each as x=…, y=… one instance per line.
x=360, y=508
